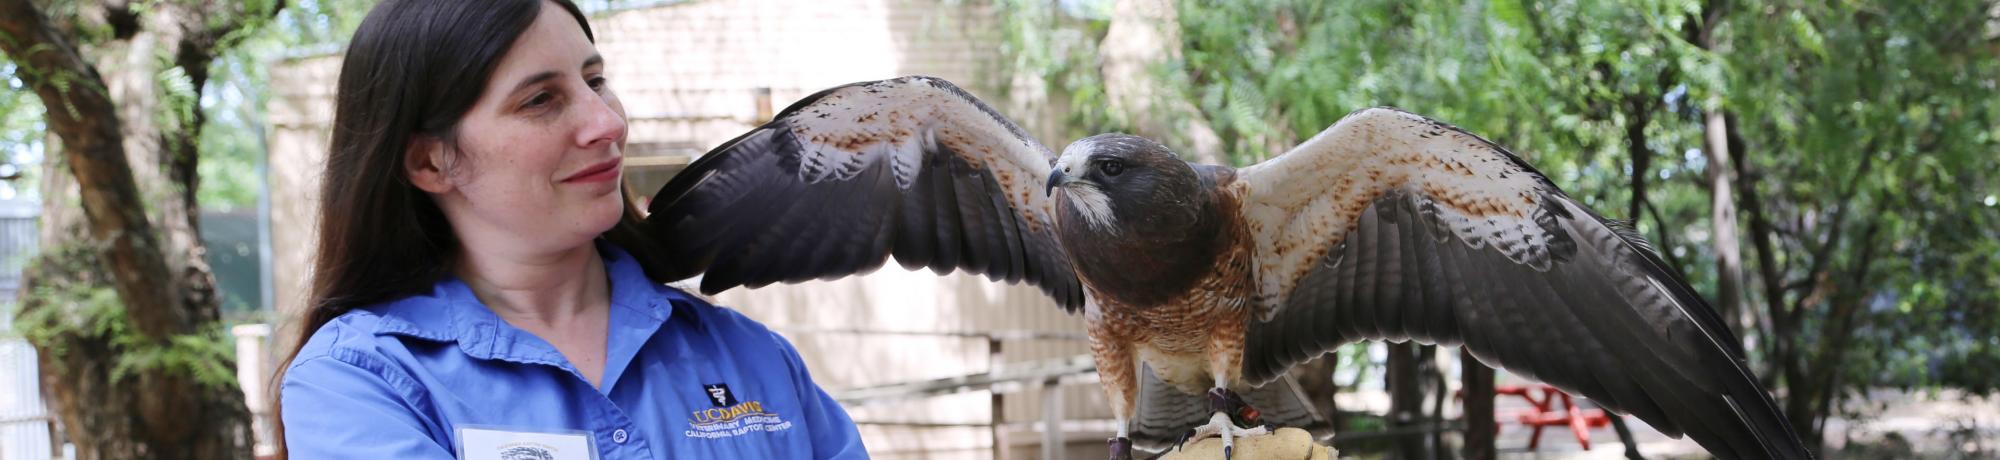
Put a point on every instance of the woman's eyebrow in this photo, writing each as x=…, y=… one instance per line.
x=593, y=60
x=533, y=79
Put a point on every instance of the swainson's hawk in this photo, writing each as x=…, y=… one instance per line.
x=1196, y=280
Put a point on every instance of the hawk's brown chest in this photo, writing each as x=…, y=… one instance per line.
x=1198, y=333
x=1216, y=305
x=1195, y=327
x=1172, y=282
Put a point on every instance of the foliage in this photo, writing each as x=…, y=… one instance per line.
x=1864, y=133
x=1055, y=44
x=20, y=131
x=1873, y=125
x=153, y=331
x=232, y=135
x=318, y=23
x=58, y=314
x=233, y=138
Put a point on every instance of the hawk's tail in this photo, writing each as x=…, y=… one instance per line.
x=1165, y=413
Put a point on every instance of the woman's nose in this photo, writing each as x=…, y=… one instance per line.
x=603, y=122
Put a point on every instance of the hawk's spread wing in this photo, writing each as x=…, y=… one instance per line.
x=1392, y=226
x=841, y=180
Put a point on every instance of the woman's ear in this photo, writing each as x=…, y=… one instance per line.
x=424, y=163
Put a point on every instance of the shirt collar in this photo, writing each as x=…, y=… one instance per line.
x=451, y=313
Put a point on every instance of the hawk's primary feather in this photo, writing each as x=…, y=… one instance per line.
x=843, y=179
x=1424, y=232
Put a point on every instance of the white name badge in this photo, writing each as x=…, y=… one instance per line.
x=495, y=443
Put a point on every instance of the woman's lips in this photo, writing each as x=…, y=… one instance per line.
x=601, y=171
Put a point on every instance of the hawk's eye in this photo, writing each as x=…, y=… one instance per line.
x=1111, y=167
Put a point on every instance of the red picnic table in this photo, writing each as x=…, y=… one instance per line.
x=1542, y=397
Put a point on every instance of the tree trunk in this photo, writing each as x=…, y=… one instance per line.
x=1642, y=166
x=1815, y=390
x=1721, y=179
x=136, y=236
x=1479, y=421
x=1406, y=398
x=1639, y=108
x=1722, y=216
x=1774, y=324
x=1144, y=34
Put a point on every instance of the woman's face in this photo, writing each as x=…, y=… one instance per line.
x=536, y=166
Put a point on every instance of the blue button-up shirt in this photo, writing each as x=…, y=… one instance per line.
x=682, y=379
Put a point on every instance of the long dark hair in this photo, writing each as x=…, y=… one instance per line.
x=413, y=68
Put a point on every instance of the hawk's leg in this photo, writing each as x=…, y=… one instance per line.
x=1228, y=402
x=1229, y=408
x=1225, y=355
x=1121, y=447
x=1117, y=372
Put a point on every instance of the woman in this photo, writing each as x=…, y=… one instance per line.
x=473, y=294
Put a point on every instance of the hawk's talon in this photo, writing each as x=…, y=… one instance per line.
x=1219, y=425
x=1182, y=442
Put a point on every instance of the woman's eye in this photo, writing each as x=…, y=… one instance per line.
x=1111, y=168
x=540, y=99
x=597, y=83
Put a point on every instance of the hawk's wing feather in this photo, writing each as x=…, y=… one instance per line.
x=1392, y=226
x=837, y=183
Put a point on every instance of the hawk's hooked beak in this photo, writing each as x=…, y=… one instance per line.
x=1056, y=179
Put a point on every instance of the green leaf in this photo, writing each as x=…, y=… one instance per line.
x=1510, y=12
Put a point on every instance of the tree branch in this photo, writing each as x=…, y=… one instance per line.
x=1666, y=241
x=206, y=29
x=83, y=115
x=1838, y=327
x=1750, y=202
x=1822, y=255
x=1641, y=107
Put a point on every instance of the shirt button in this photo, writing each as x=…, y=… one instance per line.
x=618, y=436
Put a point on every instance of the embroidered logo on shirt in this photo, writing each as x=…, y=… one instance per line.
x=719, y=394
x=731, y=418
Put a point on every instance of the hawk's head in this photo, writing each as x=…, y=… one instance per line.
x=1119, y=181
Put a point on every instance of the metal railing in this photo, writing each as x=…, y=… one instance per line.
x=26, y=427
